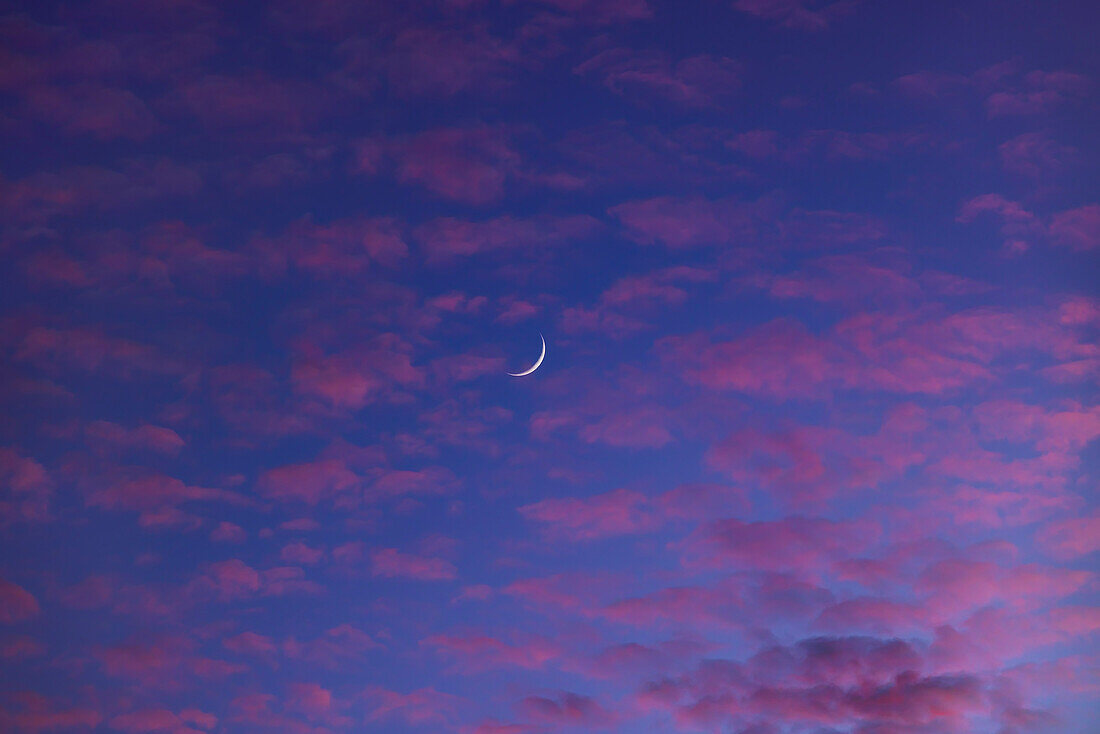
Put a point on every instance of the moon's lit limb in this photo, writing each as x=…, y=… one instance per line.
x=538, y=361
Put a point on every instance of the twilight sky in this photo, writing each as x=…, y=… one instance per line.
x=814, y=449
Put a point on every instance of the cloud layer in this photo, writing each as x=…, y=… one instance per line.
x=813, y=448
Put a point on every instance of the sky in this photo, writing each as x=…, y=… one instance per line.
x=813, y=449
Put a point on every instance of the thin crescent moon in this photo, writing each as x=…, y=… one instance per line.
x=538, y=361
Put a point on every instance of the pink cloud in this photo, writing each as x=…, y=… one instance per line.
x=571, y=591
x=628, y=304
x=39, y=714
x=474, y=165
x=43, y=56
x=514, y=310
x=1076, y=620
x=1005, y=90
x=1018, y=225
x=70, y=191
x=833, y=145
x=1037, y=92
x=392, y=563
x=16, y=603
x=841, y=661
x=1033, y=585
x=156, y=497
x=678, y=222
x=680, y=606
x=632, y=657
x=173, y=252
x=693, y=222
x=806, y=464
x=234, y=580
x=781, y=357
x=842, y=145
x=439, y=62
x=826, y=229
x=493, y=726
x=1077, y=229
x=658, y=288
x=445, y=239
x=807, y=15
x=616, y=155
x=1034, y=155
x=1071, y=538
x=568, y=710
x=793, y=543
x=102, y=591
x=188, y=15
x=641, y=428
x=790, y=462
x=309, y=698
x=350, y=479
x=473, y=593
x=355, y=377
x=252, y=644
x=417, y=708
x=301, y=554
x=457, y=302
x=161, y=662
x=579, y=319
x=166, y=256
x=598, y=11
x=888, y=699
x=456, y=424
x=987, y=639
x=91, y=593
x=979, y=466
x=163, y=720
x=996, y=508
x=614, y=513
x=274, y=171
x=300, y=524
x=1052, y=430
x=338, y=647
x=89, y=349
x=252, y=102
x=627, y=512
x=56, y=269
x=342, y=248
x=227, y=532
x=917, y=700
x=20, y=647
x=925, y=351
x=143, y=437
x=476, y=653
x=101, y=112
x=702, y=501
x=755, y=143
x=1079, y=311
x=696, y=81
x=309, y=482
x=27, y=488
x=465, y=367
x=301, y=709
x=954, y=586
x=283, y=580
x=623, y=414
x=393, y=483
x=847, y=279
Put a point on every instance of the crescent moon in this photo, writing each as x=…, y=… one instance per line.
x=538, y=361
